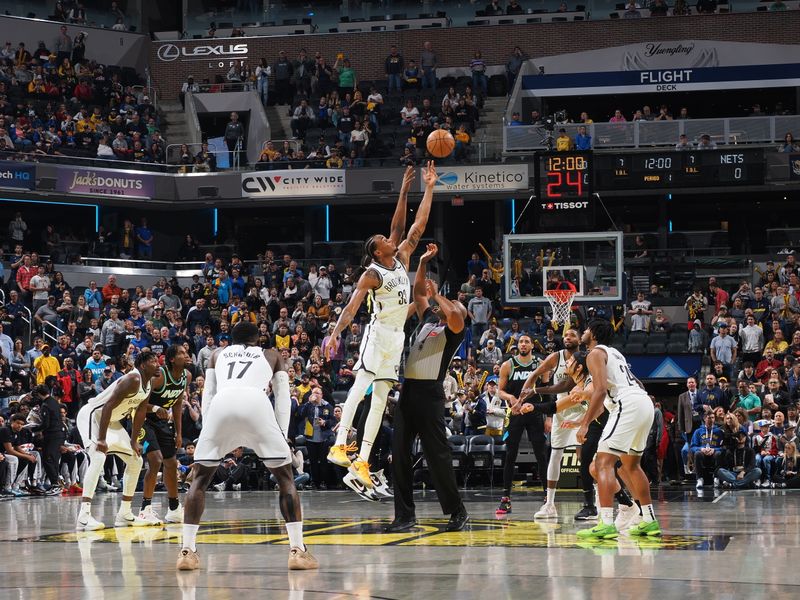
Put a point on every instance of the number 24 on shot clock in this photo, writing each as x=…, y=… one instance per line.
x=565, y=175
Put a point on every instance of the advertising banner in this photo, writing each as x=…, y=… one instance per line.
x=17, y=175
x=299, y=182
x=105, y=182
x=480, y=178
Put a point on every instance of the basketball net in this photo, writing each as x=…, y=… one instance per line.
x=561, y=305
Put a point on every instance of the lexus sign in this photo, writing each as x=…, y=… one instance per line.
x=171, y=52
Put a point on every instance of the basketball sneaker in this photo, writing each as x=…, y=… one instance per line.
x=75, y=489
x=129, y=520
x=86, y=522
x=360, y=469
x=354, y=483
x=599, y=531
x=338, y=454
x=587, y=513
x=380, y=487
x=548, y=511
x=650, y=528
x=149, y=516
x=627, y=517
x=505, y=506
x=302, y=560
x=188, y=560
x=174, y=516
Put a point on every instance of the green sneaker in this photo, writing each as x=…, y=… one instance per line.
x=648, y=529
x=599, y=531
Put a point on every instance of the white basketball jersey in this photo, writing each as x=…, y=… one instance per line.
x=124, y=408
x=241, y=366
x=560, y=372
x=389, y=302
x=621, y=382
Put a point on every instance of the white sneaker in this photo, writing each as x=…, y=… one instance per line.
x=699, y=485
x=129, y=520
x=174, y=516
x=354, y=483
x=765, y=484
x=627, y=517
x=548, y=511
x=380, y=486
x=149, y=516
x=220, y=487
x=716, y=482
x=86, y=522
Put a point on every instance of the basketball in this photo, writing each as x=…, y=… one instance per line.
x=440, y=143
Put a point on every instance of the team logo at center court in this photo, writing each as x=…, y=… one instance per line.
x=369, y=532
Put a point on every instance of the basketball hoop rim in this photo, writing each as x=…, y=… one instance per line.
x=562, y=296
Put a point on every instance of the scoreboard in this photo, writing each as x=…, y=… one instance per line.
x=562, y=178
x=679, y=169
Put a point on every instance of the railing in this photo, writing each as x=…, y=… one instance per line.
x=87, y=162
x=51, y=332
x=643, y=134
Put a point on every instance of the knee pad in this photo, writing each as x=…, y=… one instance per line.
x=554, y=465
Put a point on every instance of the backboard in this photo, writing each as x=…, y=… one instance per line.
x=589, y=262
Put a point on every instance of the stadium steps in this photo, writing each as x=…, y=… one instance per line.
x=174, y=127
x=490, y=128
x=279, y=122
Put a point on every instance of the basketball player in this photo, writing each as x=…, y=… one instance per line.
x=237, y=412
x=562, y=433
x=161, y=437
x=386, y=287
x=513, y=375
x=100, y=425
x=624, y=436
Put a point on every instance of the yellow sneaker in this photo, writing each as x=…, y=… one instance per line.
x=338, y=454
x=360, y=469
x=188, y=560
x=302, y=560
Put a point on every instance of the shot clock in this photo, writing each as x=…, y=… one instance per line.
x=565, y=176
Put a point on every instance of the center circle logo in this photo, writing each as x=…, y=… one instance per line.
x=168, y=52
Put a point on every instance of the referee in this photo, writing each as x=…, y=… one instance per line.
x=420, y=410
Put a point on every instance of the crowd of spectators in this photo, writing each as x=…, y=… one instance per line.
x=55, y=100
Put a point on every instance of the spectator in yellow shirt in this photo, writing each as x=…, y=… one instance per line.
x=563, y=141
x=45, y=365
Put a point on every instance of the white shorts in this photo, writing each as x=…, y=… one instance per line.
x=241, y=417
x=561, y=437
x=381, y=352
x=628, y=426
x=117, y=438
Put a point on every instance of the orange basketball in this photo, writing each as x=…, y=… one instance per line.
x=440, y=143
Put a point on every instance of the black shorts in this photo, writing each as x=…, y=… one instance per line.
x=158, y=435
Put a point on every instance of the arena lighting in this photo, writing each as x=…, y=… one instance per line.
x=513, y=215
x=96, y=207
x=327, y=222
x=216, y=222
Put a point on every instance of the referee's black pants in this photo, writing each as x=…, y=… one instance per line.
x=420, y=411
x=533, y=424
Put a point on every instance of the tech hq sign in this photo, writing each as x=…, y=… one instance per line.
x=17, y=176
x=480, y=178
x=305, y=182
x=217, y=55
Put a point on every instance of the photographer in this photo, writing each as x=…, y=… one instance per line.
x=738, y=465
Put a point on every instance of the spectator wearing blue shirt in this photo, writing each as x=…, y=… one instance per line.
x=515, y=120
x=583, y=141
x=475, y=412
x=237, y=283
x=706, y=448
x=144, y=240
x=223, y=287
x=709, y=397
x=475, y=265
x=94, y=299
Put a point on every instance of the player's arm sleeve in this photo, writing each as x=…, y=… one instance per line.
x=209, y=390
x=283, y=401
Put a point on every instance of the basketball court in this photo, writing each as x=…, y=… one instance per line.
x=721, y=545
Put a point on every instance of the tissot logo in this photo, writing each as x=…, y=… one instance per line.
x=564, y=205
x=170, y=52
